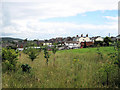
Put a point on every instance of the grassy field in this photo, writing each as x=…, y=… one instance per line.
x=74, y=68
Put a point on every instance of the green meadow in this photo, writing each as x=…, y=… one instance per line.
x=75, y=68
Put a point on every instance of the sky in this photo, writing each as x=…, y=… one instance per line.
x=45, y=19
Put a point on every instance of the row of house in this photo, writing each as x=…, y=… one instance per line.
x=68, y=42
x=71, y=42
x=79, y=41
x=74, y=41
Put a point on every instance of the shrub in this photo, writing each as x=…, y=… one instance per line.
x=25, y=68
x=107, y=40
x=9, y=58
x=105, y=73
x=116, y=55
x=32, y=53
x=46, y=54
x=96, y=43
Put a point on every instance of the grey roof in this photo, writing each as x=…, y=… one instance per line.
x=71, y=42
x=118, y=35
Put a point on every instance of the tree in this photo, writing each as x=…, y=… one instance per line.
x=32, y=54
x=46, y=54
x=54, y=50
x=85, y=44
x=98, y=43
x=9, y=58
x=107, y=40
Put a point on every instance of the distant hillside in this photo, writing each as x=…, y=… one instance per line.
x=10, y=39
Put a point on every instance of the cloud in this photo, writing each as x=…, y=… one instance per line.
x=111, y=18
x=56, y=8
x=35, y=29
x=22, y=18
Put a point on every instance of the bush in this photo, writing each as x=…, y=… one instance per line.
x=25, y=68
x=9, y=58
x=32, y=53
x=106, y=72
x=107, y=40
x=46, y=54
x=96, y=43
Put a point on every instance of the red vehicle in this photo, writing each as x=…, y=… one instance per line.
x=49, y=49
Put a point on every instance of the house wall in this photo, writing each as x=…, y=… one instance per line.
x=118, y=38
x=87, y=43
x=99, y=39
x=47, y=43
x=72, y=45
x=82, y=39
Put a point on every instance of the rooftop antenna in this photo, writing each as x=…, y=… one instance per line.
x=109, y=34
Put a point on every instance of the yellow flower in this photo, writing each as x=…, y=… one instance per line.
x=74, y=59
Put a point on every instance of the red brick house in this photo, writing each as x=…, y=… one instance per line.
x=87, y=44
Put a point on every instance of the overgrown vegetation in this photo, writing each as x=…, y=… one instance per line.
x=109, y=72
x=77, y=68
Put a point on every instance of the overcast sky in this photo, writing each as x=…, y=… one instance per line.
x=45, y=19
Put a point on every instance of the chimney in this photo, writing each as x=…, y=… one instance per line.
x=77, y=36
x=86, y=35
x=81, y=35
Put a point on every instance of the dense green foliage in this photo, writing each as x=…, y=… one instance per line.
x=32, y=53
x=96, y=43
x=25, y=68
x=9, y=59
x=107, y=40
